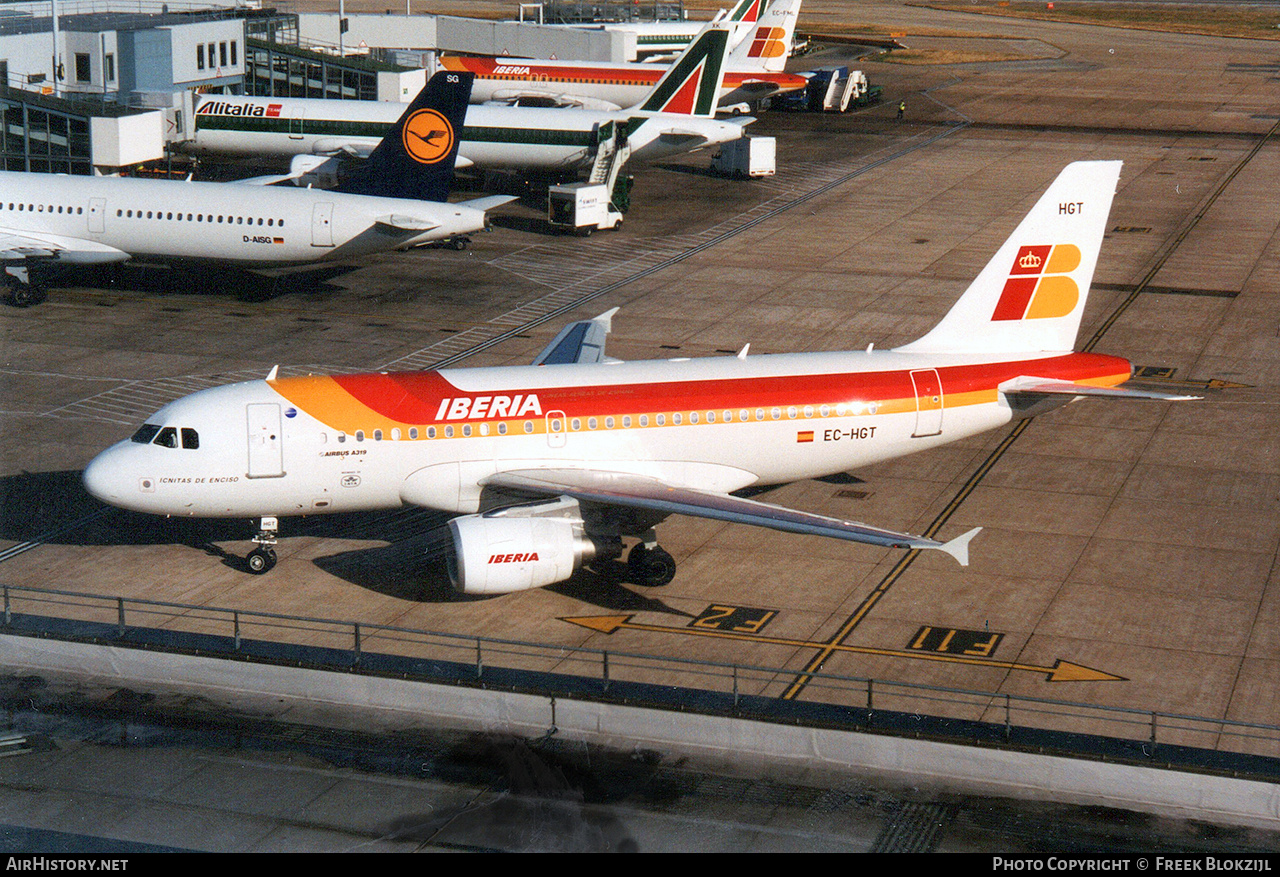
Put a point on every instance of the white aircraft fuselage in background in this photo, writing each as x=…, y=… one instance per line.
x=111, y=219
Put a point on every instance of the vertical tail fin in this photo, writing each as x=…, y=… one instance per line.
x=691, y=86
x=767, y=45
x=1031, y=295
x=416, y=158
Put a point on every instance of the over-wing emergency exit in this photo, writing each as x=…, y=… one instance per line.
x=552, y=465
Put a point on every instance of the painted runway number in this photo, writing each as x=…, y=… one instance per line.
x=950, y=641
x=739, y=619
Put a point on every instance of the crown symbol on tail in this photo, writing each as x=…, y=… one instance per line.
x=1030, y=260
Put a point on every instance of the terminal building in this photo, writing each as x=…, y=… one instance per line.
x=89, y=90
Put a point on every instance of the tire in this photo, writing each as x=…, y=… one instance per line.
x=261, y=560
x=24, y=295
x=651, y=567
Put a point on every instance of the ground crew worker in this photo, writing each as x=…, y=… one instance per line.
x=902, y=108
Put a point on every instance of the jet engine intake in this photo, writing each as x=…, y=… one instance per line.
x=496, y=554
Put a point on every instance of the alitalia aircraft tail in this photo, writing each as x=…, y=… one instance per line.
x=1031, y=295
x=415, y=160
x=691, y=86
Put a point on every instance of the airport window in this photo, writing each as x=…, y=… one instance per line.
x=109, y=65
x=167, y=438
x=234, y=44
x=83, y=68
x=190, y=439
x=213, y=58
x=145, y=433
x=200, y=57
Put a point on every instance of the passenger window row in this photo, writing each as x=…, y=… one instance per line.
x=167, y=436
x=41, y=208
x=626, y=421
x=199, y=217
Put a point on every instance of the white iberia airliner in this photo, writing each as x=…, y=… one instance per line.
x=51, y=220
x=551, y=465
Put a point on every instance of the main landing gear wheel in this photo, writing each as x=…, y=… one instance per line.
x=651, y=567
x=25, y=295
x=261, y=560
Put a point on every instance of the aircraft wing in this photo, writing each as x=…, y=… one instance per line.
x=639, y=491
x=582, y=341
x=534, y=98
x=1048, y=386
x=19, y=247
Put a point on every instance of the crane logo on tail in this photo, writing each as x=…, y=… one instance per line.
x=428, y=137
x=1039, y=286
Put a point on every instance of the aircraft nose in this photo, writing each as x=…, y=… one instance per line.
x=102, y=477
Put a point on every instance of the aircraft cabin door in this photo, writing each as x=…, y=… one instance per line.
x=266, y=448
x=928, y=389
x=322, y=224
x=97, y=210
x=555, y=429
x=295, y=123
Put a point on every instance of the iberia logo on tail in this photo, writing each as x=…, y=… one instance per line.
x=1039, y=286
x=768, y=42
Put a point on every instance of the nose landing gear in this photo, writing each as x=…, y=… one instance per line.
x=263, y=558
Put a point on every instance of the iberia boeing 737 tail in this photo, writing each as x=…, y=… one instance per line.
x=556, y=464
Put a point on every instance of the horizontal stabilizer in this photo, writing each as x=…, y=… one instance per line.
x=639, y=491
x=488, y=202
x=403, y=222
x=1049, y=386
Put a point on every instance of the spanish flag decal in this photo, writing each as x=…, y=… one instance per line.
x=804, y=436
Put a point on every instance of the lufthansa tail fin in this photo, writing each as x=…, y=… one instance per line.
x=691, y=86
x=416, y=158
x=1031, y=295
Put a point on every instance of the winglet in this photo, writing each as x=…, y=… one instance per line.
x=580, y=342
x=959, y=546
x=275, y=370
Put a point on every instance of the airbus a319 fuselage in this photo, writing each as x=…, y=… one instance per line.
x=552, y=464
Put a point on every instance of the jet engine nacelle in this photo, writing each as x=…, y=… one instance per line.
x=497, y=554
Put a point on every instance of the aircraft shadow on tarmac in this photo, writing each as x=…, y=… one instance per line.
x=53, y=508
x=241, y=285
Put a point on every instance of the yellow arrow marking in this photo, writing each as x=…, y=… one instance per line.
x=1061, y=671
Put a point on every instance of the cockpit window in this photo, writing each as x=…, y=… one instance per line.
x=145, y=433
x=190, y=438
x=167, y=438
